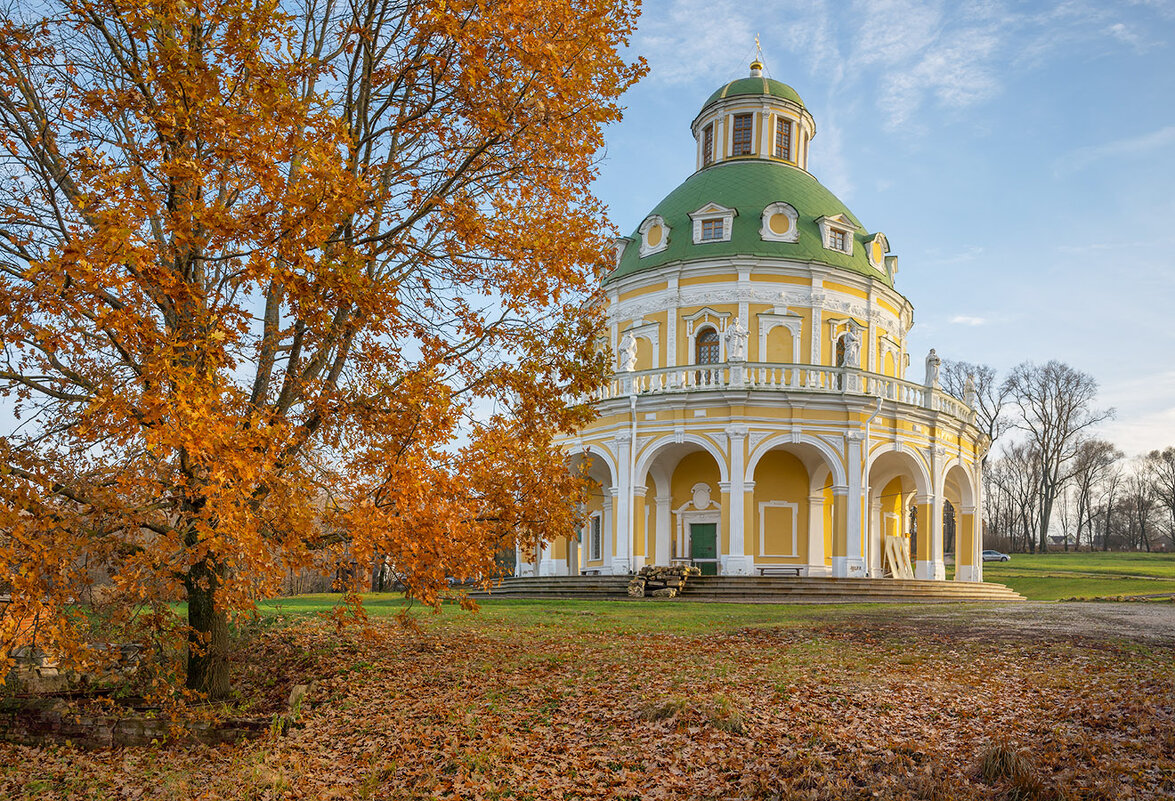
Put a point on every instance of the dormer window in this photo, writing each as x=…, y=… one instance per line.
x=708, y=145
x=654, y=235
x=744, y=125
x=780, y=223
x=837, y=232
x=875, y=249
x=712, y=223
x=783, y=139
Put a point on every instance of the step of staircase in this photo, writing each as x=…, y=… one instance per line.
x=758, y=589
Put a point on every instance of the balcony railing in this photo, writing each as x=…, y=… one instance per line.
x=782, y=377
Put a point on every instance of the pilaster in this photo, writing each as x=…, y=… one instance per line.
x=840, y=532
x=735, y=559
x=816, y=565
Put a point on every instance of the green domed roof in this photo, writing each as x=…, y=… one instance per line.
x=755, y=86
x=749, y=187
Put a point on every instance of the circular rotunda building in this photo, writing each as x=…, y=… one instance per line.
x=761, y=419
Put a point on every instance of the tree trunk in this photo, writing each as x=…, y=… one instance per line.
x=207, y=633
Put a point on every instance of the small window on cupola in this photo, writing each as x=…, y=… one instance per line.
x=783, y=139
x=837, y=233
x=712, y=223
x=708, y=145
x=742, y=143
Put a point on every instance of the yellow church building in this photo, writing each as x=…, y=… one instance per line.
x=762, y=418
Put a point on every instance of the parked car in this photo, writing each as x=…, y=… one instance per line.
x=995, y=556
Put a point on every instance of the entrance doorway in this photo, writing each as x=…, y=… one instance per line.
x=704, y=547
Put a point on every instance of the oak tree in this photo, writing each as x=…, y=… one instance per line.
x=1056, y=406
x=284, y=285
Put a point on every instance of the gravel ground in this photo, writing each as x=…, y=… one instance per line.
x=1148, y=623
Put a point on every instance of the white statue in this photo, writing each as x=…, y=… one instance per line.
x=628, y=353
x=969, y=390
x=736, y=342
x=852, y=348
x=932, y=365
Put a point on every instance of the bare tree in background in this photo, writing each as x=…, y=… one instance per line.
x=990, y=396
x=1113, y=485
x=1016, y=475
x=1161, y=467
x=1094, y=459
x=1056, y=412
x=1141, y=504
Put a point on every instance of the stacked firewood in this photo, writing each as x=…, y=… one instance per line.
x=661, y=582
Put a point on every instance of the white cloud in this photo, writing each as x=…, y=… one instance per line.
x=1128, y=147
x=1145, y=407
x=680, y=50
x=963, y=319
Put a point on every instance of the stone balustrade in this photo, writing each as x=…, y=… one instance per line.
x=782, y=377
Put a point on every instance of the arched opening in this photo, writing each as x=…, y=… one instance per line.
x=706, y=346
x=790, y=524
x=683, y=499
x=899, y=517
x=961, y=524
x=589, y=549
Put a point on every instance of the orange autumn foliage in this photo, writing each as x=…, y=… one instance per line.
x=283, y=285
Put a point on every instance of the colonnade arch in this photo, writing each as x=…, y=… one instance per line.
x=680, y=503
x=900, y=513
x=960, y=490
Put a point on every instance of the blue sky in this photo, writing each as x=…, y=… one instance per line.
x=1020, y=157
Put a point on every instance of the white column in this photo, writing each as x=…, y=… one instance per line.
x=938, y=568
x=816, y=566
x=977, y=483
x=671, y=323
x=609, y=527
x=924, y=564
x=547, y=565
x=736, y=562
x=664, y=529
x=854, y=547
x=875, y=527
x=623, y=533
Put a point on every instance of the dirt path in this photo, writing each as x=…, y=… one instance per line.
x=1149, y=623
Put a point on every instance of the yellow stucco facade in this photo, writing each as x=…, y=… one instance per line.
x=761, y=417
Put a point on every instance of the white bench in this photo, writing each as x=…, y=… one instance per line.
x=779, y=570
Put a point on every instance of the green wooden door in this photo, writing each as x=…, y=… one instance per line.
x=704, y=547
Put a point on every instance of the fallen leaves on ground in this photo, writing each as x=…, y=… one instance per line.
x=535, y=710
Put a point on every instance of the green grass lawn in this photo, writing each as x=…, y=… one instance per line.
x=1038, y=577
x=618, y=617
x=1051, y=576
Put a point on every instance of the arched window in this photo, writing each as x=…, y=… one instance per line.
x=707, y=346
x=840, y=350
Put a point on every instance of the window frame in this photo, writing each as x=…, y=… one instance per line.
x=712, y=213
x=737, y=138
x=715, y=344
x=708, y=145
x=783, y=141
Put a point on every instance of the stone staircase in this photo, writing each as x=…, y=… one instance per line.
x=769, y=590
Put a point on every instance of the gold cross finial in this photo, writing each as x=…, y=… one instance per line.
x=757, y=64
